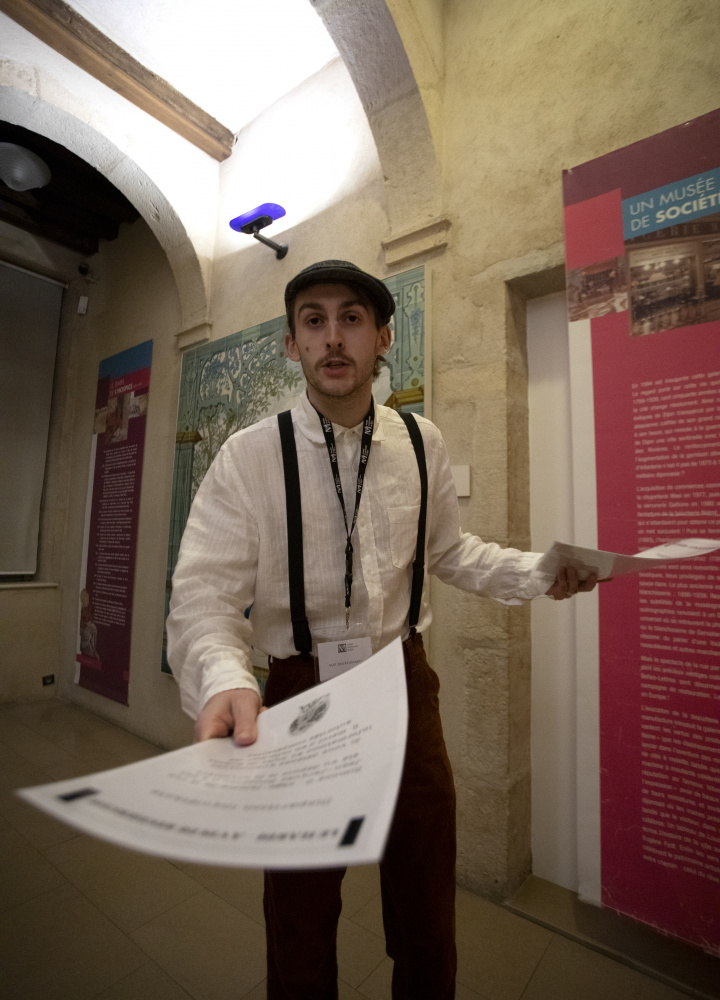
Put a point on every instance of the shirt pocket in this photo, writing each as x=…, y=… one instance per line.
x=403, y=528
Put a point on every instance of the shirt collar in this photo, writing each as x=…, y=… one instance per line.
x=308, y=422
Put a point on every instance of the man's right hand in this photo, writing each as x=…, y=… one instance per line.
x=230, y=712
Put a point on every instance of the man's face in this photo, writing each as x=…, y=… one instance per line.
x=336, y=342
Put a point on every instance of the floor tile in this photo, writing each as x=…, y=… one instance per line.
x=378, y=984
x=241, y=887
x=60, y=947
x=359, y=952
x=258, y=993
x=616, y=936
x=71, y=766
x=38, y=750
x=98, y=744
x=195, y=931
x=149, y=982
x=19, y=883
x=497, y=951
x=21, y=773
x=360, y=885
x=40, y=715
x=91, y=754
x=41, y=830
x=11, y=728
x=346, y=992
x=56, y=719
x=369, y=916
x=124, y=747
x=8, y=755
x=213, y=951
x=570, y=971
x=130, y=888
x=16, y=851
x=465, y=993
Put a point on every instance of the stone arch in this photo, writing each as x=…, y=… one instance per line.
x=21, y=105
x=373, y=51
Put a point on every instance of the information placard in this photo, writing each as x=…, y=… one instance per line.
x=643, y=275
x=111, y=522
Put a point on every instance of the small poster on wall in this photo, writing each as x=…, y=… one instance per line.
x=643, y=276
x=111, y=522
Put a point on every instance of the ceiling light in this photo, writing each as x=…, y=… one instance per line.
x=21, y=169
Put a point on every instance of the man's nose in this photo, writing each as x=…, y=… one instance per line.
x=334, y=333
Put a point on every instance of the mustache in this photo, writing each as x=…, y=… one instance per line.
x=335, y=356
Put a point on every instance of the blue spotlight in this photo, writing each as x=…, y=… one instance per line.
x=252, y=222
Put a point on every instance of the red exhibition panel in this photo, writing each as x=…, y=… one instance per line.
x=110, y=544
x=654, y=314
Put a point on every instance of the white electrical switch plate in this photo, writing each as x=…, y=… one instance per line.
x=461, y=475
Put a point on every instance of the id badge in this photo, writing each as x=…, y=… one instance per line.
x=335, y=658
x=338, y=649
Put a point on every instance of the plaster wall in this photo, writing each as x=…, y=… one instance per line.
x=29, y=624
x=30, y=613
x=312, y=152
x=132, y=297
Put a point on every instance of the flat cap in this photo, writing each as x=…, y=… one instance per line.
x=342, y=272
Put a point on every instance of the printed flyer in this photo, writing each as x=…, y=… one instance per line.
x=111, y=521
x=643, y=278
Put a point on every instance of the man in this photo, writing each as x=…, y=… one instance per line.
x=360, y=496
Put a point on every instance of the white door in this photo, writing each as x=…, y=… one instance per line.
x=554, y=838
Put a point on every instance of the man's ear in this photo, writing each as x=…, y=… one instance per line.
x=384, y=339
x=291, y=347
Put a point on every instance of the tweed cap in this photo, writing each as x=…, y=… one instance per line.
x=342, y=272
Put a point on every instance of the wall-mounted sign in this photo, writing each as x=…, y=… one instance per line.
x=643, y=275
x=111, y=522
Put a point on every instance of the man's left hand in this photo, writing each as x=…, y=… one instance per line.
x=568, y=583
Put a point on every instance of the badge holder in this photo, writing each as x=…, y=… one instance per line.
x=338, y=649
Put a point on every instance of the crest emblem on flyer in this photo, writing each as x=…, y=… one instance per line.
x=310, y=714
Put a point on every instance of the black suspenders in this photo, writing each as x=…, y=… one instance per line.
x=418, y=574
x=293, y=507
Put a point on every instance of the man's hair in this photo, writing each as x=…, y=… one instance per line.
x=364, y=299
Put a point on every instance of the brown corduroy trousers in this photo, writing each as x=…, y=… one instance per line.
x=417, y=873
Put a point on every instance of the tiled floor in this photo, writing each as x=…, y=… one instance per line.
x=81, y=919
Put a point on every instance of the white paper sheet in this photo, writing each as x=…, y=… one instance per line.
x=608, y=565
x=317, y=789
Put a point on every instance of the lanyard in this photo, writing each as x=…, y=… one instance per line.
x=365, y=445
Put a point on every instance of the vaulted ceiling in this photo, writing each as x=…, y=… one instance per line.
x=76, y=209
x=204, y=70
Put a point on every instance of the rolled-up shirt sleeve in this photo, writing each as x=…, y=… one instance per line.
x=213, y=585
x=465, y=560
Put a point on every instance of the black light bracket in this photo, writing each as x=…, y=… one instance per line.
x=253, y=229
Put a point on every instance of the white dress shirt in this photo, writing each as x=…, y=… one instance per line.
x=234, y=549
